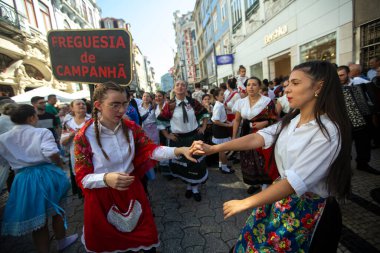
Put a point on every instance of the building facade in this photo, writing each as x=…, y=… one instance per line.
x=367, y=31
x=167, y=82
x=143, y=73
x=270, y=37
x=24, y=53
x=186, y=55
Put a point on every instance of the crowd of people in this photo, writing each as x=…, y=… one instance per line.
x=292, y=136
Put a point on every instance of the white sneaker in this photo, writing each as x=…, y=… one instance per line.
x=67, y=241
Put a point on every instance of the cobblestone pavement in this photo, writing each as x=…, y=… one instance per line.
x=188, y=226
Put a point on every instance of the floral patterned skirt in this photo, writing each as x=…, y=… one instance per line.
x=287, y=225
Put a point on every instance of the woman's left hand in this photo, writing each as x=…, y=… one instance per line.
x=185, y=151
x=233, y=207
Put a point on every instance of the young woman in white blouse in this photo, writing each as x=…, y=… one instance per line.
x=70, y=126
x=40, y=183
x=221, y=129
x=312, y=152
x=231, y=99
x=148, y=118
x=112, y=155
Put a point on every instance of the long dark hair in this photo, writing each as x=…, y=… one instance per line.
x=232, y=82
x=330, y=101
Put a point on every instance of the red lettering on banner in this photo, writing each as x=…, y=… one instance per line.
x=61, y=41
x=75, y=70
x=93, y=72
x=112, y=72
x=120, y=42
x=121, y=72
x=102, y=71
x=88, y=41
x=59, y=68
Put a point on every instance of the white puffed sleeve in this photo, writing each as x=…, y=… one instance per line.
x=48, y=145
x=269, y=133
x=217, y=112
x=163, y=153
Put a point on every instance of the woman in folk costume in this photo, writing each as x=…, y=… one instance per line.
x=70, y=127
x=257, y=112
x=312, y=148
x=149, y=125
x=159, y=99
x=112, y=155
x=233, y=96
x=148, y=117
x=183, y=114
x=40, y=183
x=221, y=129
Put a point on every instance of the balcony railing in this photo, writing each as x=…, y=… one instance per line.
x=9, y=15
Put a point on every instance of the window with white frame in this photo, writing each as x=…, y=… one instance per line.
x=215, y=21
x=223, y=11
x=90, y=16
x=29, y=7
x=236, y=11
x=209, y=34
x=84, y=10
x=108, y=24
x=226, y=46
x=44, y=9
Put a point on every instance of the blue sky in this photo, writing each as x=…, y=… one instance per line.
x=151, y=26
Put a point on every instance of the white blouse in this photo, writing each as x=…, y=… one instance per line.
x=232, y=101
x=176, y=122
x=70, y=122
x=151, y=119
x=120, y=154
x=240, y=80
x=26, y=145
x=219, y=112
x=303, y=155
x=246, y=111
x=157, y=112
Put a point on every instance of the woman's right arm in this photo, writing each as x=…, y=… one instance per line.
x=248, y=142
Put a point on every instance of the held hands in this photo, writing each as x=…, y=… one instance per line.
x=200, y=148
x=118, y=180
x=233, y=207
x=185, y=151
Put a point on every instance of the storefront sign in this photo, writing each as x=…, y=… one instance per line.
x=276, y=34
x=224, y=59
x=91, y=56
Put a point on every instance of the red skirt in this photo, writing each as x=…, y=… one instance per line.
x=99, y=235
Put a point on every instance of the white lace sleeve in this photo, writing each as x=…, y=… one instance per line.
x=163, y=153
